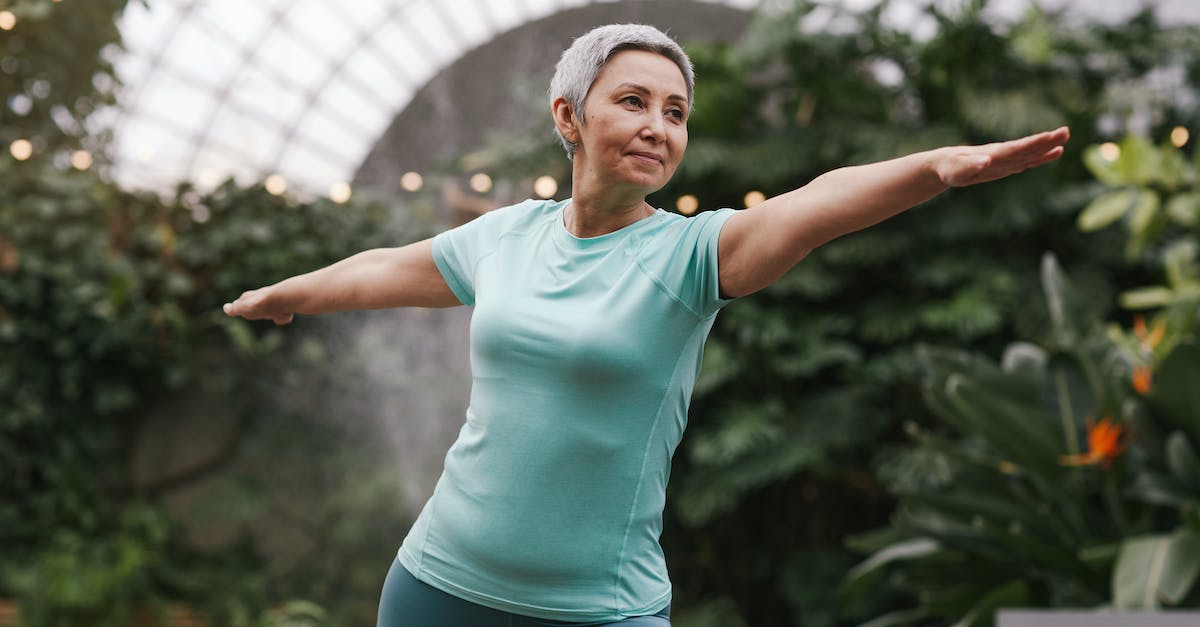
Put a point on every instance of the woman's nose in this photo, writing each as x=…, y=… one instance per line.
x=654, y=128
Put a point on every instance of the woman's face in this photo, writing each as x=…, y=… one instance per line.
x=635, y=126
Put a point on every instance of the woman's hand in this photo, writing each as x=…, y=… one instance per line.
x=255, y=305
x=958, y=166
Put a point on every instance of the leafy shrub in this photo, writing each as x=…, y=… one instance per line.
x=110, y=314
x=1071, y=472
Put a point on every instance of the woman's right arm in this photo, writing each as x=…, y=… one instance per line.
x=379, y=278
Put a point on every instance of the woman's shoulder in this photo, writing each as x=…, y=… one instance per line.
x=673, y=225
x=521, y=215
x=531, y=206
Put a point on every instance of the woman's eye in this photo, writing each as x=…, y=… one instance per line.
x=633, y=100
x=676, y=113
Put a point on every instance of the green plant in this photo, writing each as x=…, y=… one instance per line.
x=55, y=72
x=110, y=323
x=1155, y=192
x=79, y=578
x=1125, y=529
x=1155, y=188
x=1000, y=511
x=110, y=315
x=294, y=614
x=1160, y=568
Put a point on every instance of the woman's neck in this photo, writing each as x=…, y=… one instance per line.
x=597, y=210
x=584, y=220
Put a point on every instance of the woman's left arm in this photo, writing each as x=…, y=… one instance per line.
x=758, y=245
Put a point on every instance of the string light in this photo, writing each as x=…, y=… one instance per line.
x=340, y=192
x=7, y=20
x=276, y=184
x=1110, y=151
x=1179, y=136
x=411, y=182
x=687, y=204
x=81, y=159
x=753, y=198
x=21, y=149
x=20, y=104
x=481, y=183
x=545, y=186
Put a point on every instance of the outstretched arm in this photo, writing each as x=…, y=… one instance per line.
x=759, y=244
x=373, y=279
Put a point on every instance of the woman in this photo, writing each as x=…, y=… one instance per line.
x=590, y=319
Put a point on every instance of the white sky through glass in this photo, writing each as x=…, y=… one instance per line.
x=304, y=88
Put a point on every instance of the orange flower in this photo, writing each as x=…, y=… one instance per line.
x=1141, y=379
x=1148, y=339
x=1105, y=443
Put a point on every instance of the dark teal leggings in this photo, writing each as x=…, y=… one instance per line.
x=408, y=602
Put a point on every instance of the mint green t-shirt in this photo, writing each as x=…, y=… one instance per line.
x=584, y=352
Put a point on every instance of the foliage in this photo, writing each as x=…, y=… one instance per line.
x=989, y=516
x=76, y=579
x=110, y=320
x=998, y=512
x=805, y=378
x=51, y=87
x=110, y=328
x=1157, y=197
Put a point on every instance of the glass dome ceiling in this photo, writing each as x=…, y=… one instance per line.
x=300, y=89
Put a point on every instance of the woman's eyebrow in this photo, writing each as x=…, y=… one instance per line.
x=644, y=90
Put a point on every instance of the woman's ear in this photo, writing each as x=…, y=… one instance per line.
x=565, y=120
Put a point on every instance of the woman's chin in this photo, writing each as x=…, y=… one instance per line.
x=645, y=184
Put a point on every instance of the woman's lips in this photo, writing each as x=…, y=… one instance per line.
x=647, y=157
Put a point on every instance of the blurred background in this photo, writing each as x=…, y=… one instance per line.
x=988, y=402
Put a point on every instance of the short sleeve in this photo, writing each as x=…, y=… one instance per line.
x=457, y=252
x=684, y=258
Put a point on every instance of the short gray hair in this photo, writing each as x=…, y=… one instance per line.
x=581, y=63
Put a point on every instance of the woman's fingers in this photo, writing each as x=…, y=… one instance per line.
x=251, y=306
x=980, y=164
x=240, y=307
x=1033, y=147
x=1047, y=157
